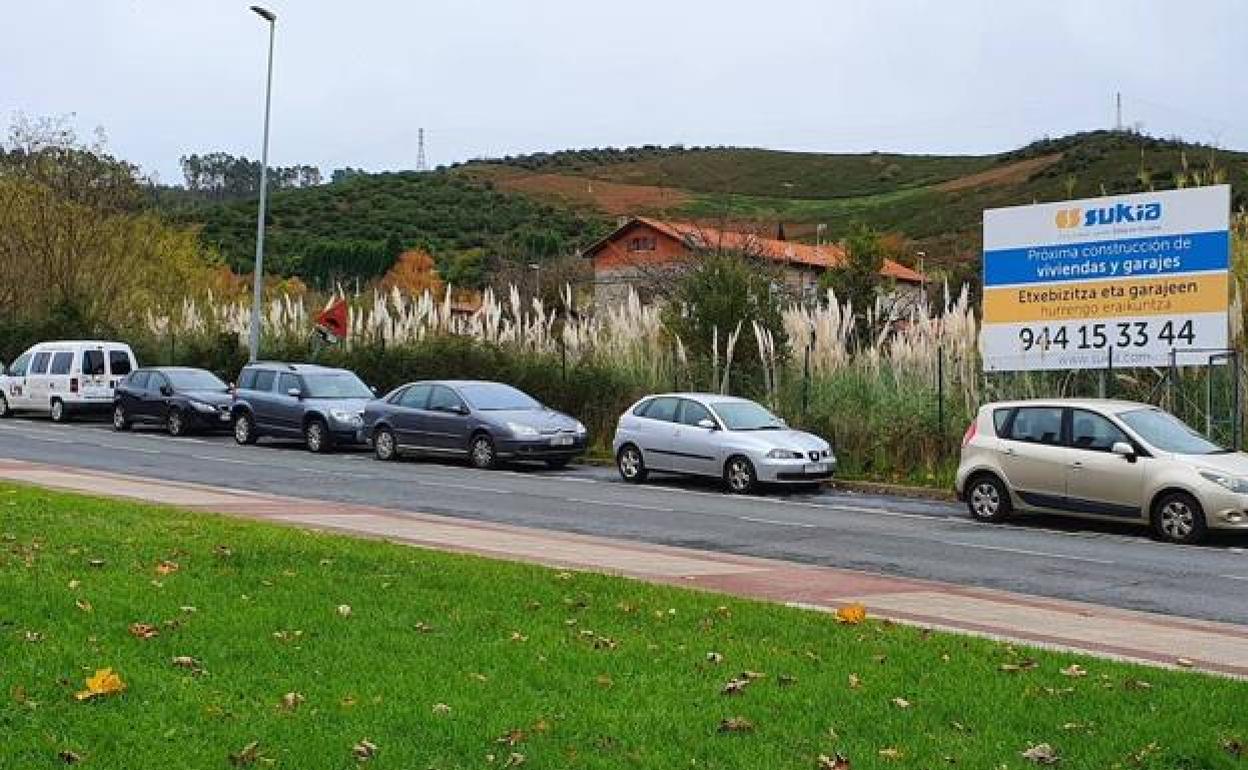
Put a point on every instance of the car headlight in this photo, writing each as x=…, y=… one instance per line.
x=1233, y=483
x=784, y=454
x=520, y=429
x=342, y=415
x=200, y=406
x=580, y=427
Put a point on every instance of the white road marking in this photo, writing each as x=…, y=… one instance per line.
x=466, y=487
x=186, y=440
x=608, y=504
x=120, y=448
x=210, y=458
x=865, y=509
x=777, y=522
x=1026, y=552
x=1234, y=577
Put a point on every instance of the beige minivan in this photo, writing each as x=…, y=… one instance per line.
x=1100, y=459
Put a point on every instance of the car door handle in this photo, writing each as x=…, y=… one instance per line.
x=1076, y=465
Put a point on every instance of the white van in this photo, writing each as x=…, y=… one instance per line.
x=65, y=378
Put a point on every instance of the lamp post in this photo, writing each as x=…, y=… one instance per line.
x=258, y=270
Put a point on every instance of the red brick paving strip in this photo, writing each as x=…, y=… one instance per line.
x=1089, y=628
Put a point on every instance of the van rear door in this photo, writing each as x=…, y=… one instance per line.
x=95, y=384
x=120, y=364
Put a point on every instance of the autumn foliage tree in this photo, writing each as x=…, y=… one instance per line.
x=413, y=273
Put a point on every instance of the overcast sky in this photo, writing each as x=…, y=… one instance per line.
x=354, y=80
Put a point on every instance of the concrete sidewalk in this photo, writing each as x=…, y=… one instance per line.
x=1138, y=636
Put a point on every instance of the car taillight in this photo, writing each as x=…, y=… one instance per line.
x=73, y=384
x=971, y=430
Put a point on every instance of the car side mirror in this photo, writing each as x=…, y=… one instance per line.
x=373, y=388
x=166, y=391
x=707, y=423
x=1124, y=450
x=294, y=393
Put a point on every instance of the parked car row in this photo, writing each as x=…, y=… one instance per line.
x=1105, y=460
x=484, y=423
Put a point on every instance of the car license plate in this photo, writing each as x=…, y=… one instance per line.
x=816, y=467
x=561, y=441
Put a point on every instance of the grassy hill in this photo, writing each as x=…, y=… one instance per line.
x=535, y=206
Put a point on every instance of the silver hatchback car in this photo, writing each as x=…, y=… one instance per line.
x=1099, y=459
x=702, y=434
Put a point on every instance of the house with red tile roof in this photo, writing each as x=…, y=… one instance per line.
x=641, y=250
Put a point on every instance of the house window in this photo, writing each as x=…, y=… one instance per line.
x=643, y=243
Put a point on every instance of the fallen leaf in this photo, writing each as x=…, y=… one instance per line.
x=344, y=610
x=423, y=627
x=105, y=681
x=1233, y=746
x=83, y=605
x=889, y=753
x=514, y=759
x=34, y=637
x=1137, y=684
x=291, y=701
x=69, y=757
x=852, y=614
x=247, y=755
x=187, y=662
x=512, y=737
x=96, y=562
x=1027, y=664
x=143, y=630
x=166, y=567
x=364, y=750
x=734, y=686
x=441, y=708
x=834, y=762
x=786, y=680
x=736, y=725
x=1075, y=670
x=715, y=657
x=604, y=681
x=73, y=584
x=1184, y=662
x=1041, y=754
x=855, y=681
x=516, y=636
x=900, y=703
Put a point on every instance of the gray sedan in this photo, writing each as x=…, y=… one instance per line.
x=701, y=434
x=487, y=422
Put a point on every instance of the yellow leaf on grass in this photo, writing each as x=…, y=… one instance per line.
x=143, y=630
x=851, y=613
x=166, y=567
x=104, y=682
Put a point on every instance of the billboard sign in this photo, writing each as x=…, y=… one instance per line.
x=1124, y=279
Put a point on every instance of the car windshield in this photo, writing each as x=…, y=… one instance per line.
x=746, y=415
x=497, y=398
x=1168, y=433
x=191, y=379
x=336, y=385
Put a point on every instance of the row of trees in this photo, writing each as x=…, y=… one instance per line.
x=222, y=176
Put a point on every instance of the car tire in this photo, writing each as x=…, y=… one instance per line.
x=316, y=436
x=1177, y=517
x=175, y=423
x=740, y=476
x=385, y=447
x=244, y=428
x=631, y=465
x=987, y=499
x=58, y=412
x=5, y=411
x=121, y=421
x=481, y=452
x=558, y=463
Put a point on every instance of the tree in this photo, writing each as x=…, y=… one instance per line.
x=414, y=273
x=857, y=279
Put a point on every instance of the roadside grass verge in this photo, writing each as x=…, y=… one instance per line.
x=307, y=650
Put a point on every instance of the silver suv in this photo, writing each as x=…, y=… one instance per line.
x=323, y=406
x=1106, y=460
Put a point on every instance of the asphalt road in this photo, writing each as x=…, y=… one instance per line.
x=1115, y=565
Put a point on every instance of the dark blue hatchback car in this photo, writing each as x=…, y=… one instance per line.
x=487, y=422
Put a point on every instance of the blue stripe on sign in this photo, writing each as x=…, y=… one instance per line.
x=1126, y=258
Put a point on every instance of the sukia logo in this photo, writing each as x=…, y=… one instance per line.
x=1108, y=215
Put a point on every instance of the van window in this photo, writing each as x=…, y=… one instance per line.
x=18, y=367
x=40, y=366
x=287, y=381
x=61, y=363
x=119, y=362
x=92, y=362
x=137, y=380
x=264, y=380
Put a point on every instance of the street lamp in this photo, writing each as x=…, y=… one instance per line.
x=258, y=270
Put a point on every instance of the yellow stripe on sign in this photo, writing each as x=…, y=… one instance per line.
x=1166, y=295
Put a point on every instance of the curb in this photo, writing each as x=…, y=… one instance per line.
x=895, y=490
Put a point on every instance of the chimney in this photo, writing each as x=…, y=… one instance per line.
x=780, y=232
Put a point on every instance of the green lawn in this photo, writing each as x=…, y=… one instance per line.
x=446, y=661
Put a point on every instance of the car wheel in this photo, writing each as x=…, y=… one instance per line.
x=481, y=452
x=987, y=499
x=244, y=428
x=739, y=475
x=121, y=421
x=316, y=436
x=175, y=423
x=558, y=463
x=1178, y=518
x=384, y=445
x=631, y=464
x=59, y=413
x=4, y=408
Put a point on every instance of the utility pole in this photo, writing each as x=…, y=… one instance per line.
x=421, y=163
x=1118, y=111
x=253, y=348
